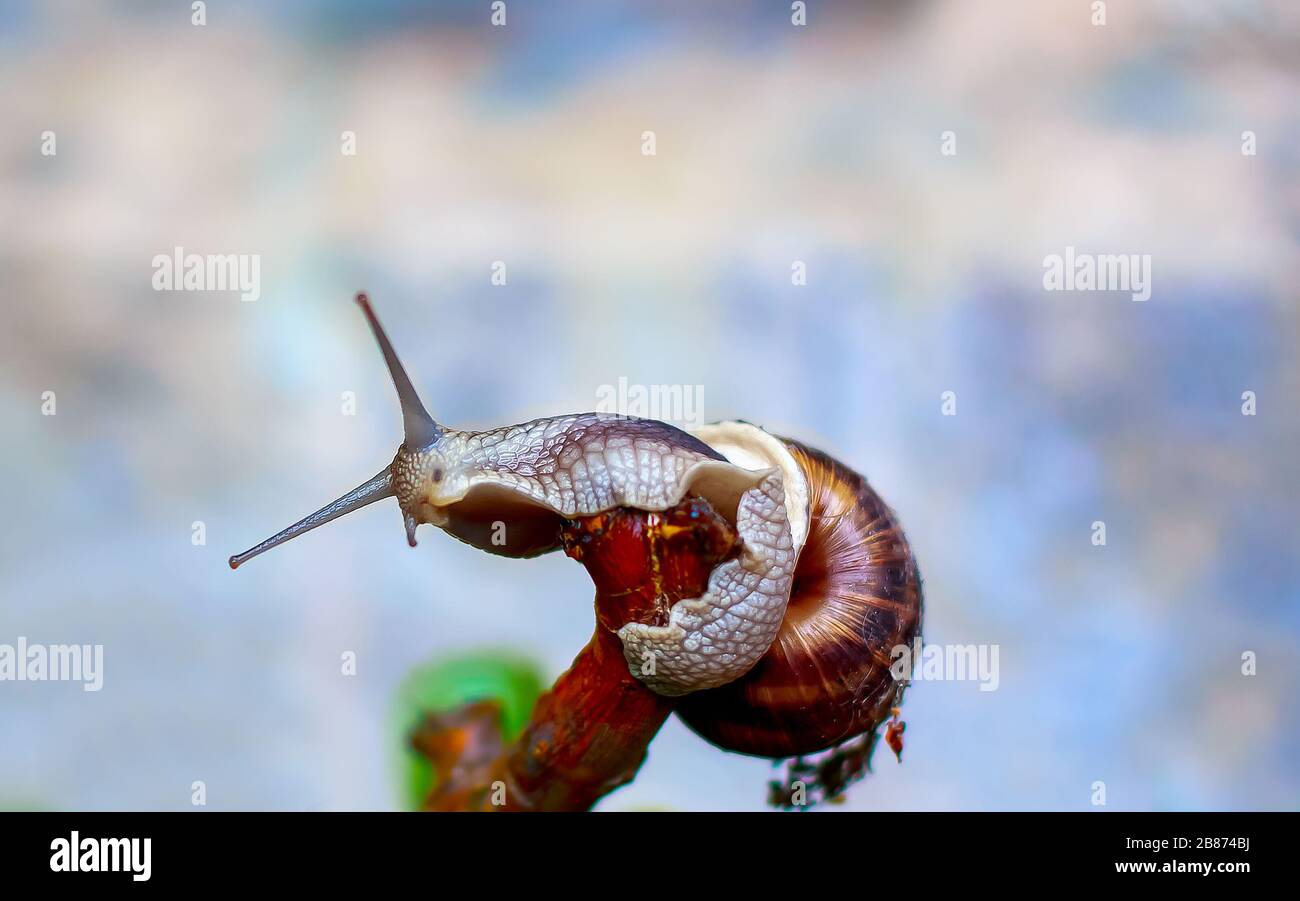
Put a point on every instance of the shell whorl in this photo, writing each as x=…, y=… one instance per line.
x=856, y=595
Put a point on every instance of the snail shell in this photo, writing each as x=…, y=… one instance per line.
x=856, y=595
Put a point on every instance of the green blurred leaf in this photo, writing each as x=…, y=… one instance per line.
x=447, y=684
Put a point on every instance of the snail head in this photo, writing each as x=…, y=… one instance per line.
x=422, y=476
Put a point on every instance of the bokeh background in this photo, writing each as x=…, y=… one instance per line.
x=775, y=144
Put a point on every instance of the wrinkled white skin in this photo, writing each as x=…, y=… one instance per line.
x=719, y=636
x=586, y=464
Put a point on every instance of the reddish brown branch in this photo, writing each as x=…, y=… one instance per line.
x=588, y=735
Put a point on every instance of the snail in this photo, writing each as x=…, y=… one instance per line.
x=787, y=649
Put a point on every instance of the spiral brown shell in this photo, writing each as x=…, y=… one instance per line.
x=856, y=596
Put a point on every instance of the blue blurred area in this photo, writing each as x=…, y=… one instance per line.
x=775, y=144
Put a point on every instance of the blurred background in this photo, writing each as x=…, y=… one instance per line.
x=775, y=144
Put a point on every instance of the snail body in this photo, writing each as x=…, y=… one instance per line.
x=785, y=652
